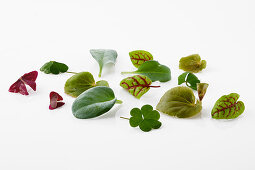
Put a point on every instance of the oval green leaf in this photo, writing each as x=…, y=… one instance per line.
x=138, y=57
x=54, y=67
x=192, y=63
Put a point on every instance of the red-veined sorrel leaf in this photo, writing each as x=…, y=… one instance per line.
x=137, y=85
x=20, y=87
x=138, y=57
x=54, y=100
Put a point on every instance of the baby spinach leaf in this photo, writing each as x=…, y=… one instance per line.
x=192, y=63
x=146, y=118
x=137, y=85
x=103, y=57
x=153, y=70
x=54, y=67
x=81, y=82
x=227, y=107
x=190, y=79
x=180, y=102
x=94, y=102
x=138, y=57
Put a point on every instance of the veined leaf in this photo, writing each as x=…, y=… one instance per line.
x=153, y=70
x=190, y=79
x=227, y=107
x=137, y=85
x=138, y=57
x=54, y=67
x=192, y=63
x=103, y=57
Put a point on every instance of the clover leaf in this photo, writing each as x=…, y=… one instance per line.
x=54, y=67
x=146, y=118
x=190, y=79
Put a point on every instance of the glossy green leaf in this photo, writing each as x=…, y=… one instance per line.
x=137, y=85
x=153, y=70
x=227, y=107
x=192, y=63
x=146, y=118
x=81, y=82
x=93, y=102
x=54, y=67
x=180, y=102
x=190, y=79
x=103, y=57
x=138, y=57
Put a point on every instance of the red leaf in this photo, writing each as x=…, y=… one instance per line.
x=54, y=98
x=20, y=87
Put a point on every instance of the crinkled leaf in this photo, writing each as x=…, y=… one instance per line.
x=190, y=79
x=81, y=82
x=103, y=57
x=54, y=67
x=93, y=102
x=179, y=102
x=192, y=63
x=137, y=85
x=153, y=70
x=227, y=107
x=201, y=90
x=138, y=57
x=20, y=87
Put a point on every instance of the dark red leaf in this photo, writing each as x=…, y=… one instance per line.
x=20, y=87
x=54, y=98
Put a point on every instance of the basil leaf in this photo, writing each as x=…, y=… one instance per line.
x=192, y=63
x=54, y=67
x=180, y=102
x=190, y=79
x=138, y=57
x=81, y=82
x=227, y=107
x=103, y=57
x=94, y=102
x=153, y=70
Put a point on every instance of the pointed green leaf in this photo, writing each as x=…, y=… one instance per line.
x=153, y=70
x=103, y=57
x=138, y=57
x=137, y=85
x=54, y=67
x=192, y=63
x=227, y=107
x=182, y=78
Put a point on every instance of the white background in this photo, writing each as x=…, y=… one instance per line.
x=34, y=32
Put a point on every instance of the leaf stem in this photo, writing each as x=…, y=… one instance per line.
x=125, y=72
x=154, y=86
x=118, y=102
x=71, y=72
x=124, y=118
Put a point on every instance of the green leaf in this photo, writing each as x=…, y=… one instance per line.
x=103, y=57
x=192, y=63
x=93, y=102
x=54, y=67
x=102, y=83
x=153, y=70
x=138, y=57
x=201, y=90
x=137, y=85
x=180, y=102
x=227, y=107
x=146, y=118
x=81, y=82
x=190, y=79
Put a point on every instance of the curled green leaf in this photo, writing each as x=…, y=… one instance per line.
x=153, y=70
x=180, y=102
x=201, y=90
x=54, y=67
x=192, y=63
x=190, y=79
x=94, y=102
x=138, y=57
x=81, y=82
x=103, y=57
x=227, y=107
x=137, y=85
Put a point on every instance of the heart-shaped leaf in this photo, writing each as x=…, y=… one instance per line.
x=94, y=102
x=103, y=57
x=137, y=85
x=138, y=57
x=227, y=107
x=192, y=63
x=54, y=67
x=153, y=70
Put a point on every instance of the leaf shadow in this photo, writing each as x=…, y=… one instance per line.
x=110, y=114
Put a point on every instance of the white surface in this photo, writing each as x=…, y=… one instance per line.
x=32, y=33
